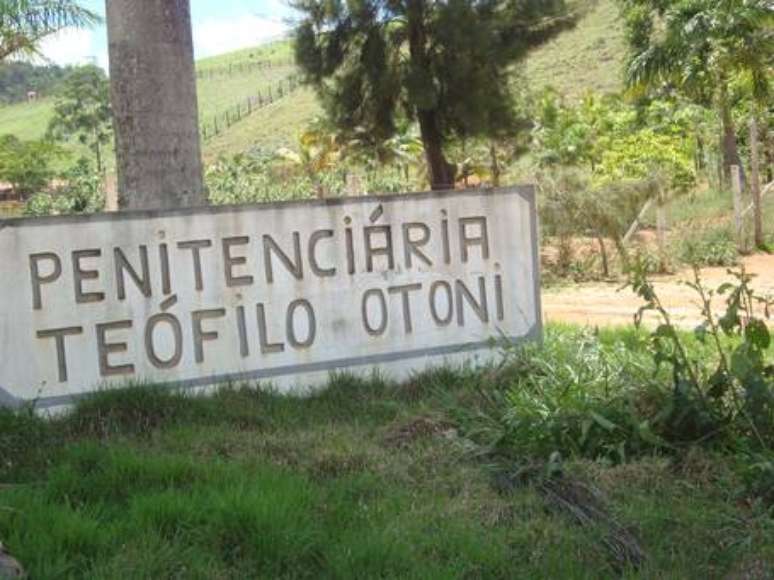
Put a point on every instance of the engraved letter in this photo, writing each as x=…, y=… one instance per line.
x=177, y=333
x=404, y=292
x=195, y=246
x=313, y=263
x=311, y=324
x=105, y=349
x=199, y=335
x=447, y=318
x=479, y=307
x=382, y=326
x=263, y=334
x=482, y=239
x=411, y=247
x=58, y=335
x=38, y=279
x=143, y=282
x=385, y=250
x=295, y=267
x=230, y=261
x=79, y=275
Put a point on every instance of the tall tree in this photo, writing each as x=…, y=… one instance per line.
x=25, y=23
x=82, y=110
x=699, y=47
x=445, y=65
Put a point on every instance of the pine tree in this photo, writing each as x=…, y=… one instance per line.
x=445, y=65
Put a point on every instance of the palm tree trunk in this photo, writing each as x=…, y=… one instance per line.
x=153, y=88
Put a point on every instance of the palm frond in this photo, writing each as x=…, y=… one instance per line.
x=24, y=23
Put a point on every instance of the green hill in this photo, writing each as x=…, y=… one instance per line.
x=589, y=57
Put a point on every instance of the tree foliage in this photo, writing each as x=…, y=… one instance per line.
x=24, y=23
x=700, y=47
x=18, y=78
x=26, y=165
x=82, y=111
x=445, y=65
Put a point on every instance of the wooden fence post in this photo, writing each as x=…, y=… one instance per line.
x=755, y=180
x=662, y=223
x=637, y=221
x=736, y=187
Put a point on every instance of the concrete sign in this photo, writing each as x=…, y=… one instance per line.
x=283, y=293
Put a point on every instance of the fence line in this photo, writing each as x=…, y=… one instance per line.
x=241, y=68
x=244, y=108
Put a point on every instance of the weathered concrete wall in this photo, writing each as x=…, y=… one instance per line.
x=283, y=293
x=153, y=92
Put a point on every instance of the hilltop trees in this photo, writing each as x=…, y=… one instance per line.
x=24, y=23
x=444, y=65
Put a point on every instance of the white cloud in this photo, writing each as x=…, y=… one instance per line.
x=216, y=36
x=212, y=36
x=72, y=46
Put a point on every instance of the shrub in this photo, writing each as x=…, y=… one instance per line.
x=251, y=178
x=715, y=247
x=574, y=395
x=580, y=394
x=26, y=165
x=83, y=192
x=729, y=396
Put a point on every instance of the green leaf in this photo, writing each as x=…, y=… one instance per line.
x=603, y=422
x=666, y=331
x=757, y=333
x=700, y=332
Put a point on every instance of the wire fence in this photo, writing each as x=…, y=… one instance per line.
x=215, y=125
x=241, y=68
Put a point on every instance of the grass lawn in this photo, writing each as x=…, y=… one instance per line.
x=363, y=480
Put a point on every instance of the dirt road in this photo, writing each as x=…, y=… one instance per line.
x=604, y=305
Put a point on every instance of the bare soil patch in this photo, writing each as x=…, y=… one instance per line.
x=605, y=304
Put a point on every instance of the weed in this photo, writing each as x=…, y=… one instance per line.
x=737, y=393
x=715, y=247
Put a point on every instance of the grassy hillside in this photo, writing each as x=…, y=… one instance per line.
x=222, y=82
x=586, y=58
x=26, y=120
x=277, y=125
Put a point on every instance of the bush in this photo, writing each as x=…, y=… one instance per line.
x=83, y=192
x=715, y=247
x=251, y=178
x=580, y=394
x=26, y=165
x=574, y=395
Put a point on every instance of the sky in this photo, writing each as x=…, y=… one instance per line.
x=219, y=26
